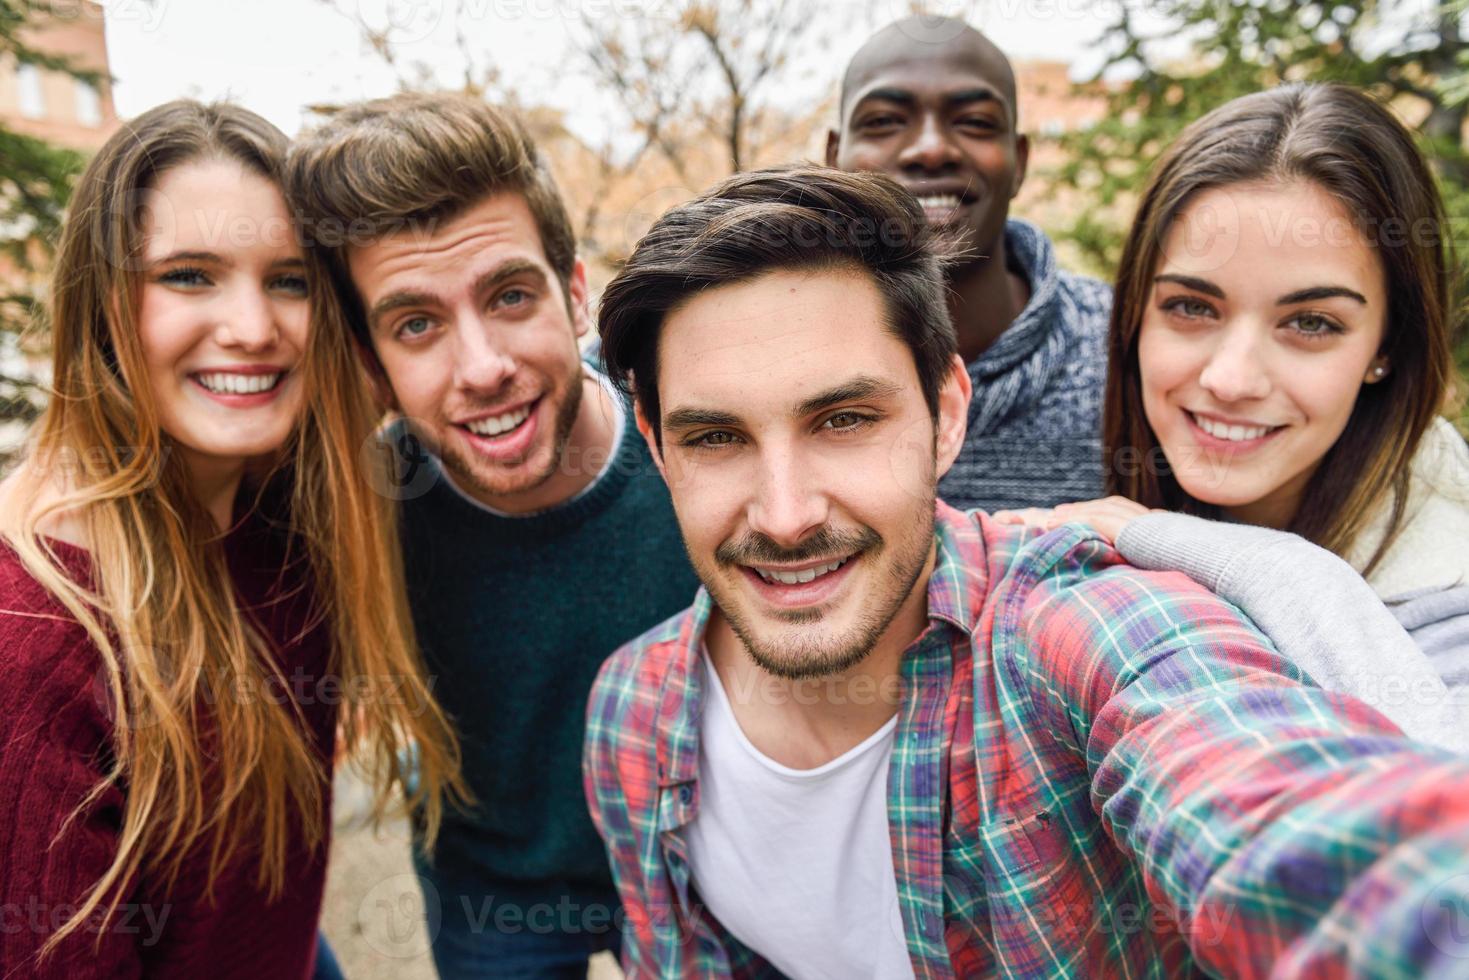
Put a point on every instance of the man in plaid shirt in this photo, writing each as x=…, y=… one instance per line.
x=892, y=739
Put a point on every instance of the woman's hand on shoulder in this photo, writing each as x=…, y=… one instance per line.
x=1107, y=516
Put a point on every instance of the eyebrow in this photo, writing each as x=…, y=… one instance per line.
x=688, y=418
x=1320, y=292
x=848, y=391
x=853, y=390
x=503, y=272
x=1192, y=282
x=1308, y=295
x=906, y=98
x=191, y=256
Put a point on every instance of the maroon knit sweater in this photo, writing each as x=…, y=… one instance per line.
x=55, y=738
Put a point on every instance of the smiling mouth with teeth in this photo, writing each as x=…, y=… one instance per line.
x=224, y=383
x=938, y=202
x=777, y=577
x=1233, y=433
x=498, y=425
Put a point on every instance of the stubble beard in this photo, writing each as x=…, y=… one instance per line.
x=803, y=652
x=470, y=473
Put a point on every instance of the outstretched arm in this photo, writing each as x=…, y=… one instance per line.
x=1323, y=841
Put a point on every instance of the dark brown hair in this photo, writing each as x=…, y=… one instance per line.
x=406, y=162
x=786, y=218
x=1357, y=151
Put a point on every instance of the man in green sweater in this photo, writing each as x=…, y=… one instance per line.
x=538, y=537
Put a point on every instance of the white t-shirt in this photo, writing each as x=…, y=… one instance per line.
x=797, y=863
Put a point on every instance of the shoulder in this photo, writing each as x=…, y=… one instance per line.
x=1428, y=552
x=30, y=613
x=626, y=693
x=53, y=681
x=1090, y=305
x=620, y=756
x=1078, y=603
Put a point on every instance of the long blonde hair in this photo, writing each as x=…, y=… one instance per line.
x=161, y=608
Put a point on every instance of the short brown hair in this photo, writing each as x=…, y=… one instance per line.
x=1357, y=151
x=786, y=218
x=380, y=167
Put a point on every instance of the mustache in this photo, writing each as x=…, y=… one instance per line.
x=755, y=548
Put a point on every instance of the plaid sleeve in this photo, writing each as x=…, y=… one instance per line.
x=1289, y=831
x=602, y=762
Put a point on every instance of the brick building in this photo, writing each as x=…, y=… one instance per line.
x=51, y=105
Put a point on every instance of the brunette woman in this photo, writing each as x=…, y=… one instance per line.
x=1280, y=357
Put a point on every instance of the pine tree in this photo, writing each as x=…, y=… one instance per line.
x=35, y=182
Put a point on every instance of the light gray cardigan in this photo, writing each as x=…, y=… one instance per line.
x=1321, y=614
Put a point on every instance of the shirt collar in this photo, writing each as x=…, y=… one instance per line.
x=956, y=594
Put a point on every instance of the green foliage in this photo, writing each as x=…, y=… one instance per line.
x=1412, y=56
x=36, y=179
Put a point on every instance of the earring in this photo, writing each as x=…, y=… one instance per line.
x=1379, y=372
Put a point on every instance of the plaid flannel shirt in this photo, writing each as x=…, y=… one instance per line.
x=1098, y=772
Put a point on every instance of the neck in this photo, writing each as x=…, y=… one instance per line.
x=806, y=723
x=1276, y=509
x=985, y=297
x=216, y=483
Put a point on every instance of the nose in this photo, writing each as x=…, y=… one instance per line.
x=787, y=505
x=931, y=149
x=1237, y=368
x=251, y=325
x=481, y=362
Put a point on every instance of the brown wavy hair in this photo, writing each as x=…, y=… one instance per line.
x=1357, y=151
x=161, y=610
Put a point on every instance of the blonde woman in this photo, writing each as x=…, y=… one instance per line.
x=199, y=591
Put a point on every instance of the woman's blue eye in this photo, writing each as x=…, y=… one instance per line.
x=295, y=285
x=184, y=276
x=1188, y=306
x=417, y=326
x=1315, y=325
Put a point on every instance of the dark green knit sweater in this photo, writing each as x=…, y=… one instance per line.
x=515, y=615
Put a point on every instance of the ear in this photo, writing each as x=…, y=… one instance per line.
x=576, y=287
x=1022, y=162
x=953, y=420
x=646, y=429
x=833, y=145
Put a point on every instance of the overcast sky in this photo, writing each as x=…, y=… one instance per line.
x=276, y=56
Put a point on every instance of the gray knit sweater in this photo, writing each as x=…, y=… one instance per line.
x=1319, y=612
x=1034, y=435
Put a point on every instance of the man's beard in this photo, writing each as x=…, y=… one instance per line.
x=462, y=467
x=803, y=651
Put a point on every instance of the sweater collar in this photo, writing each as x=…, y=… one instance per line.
x=1031, y=254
